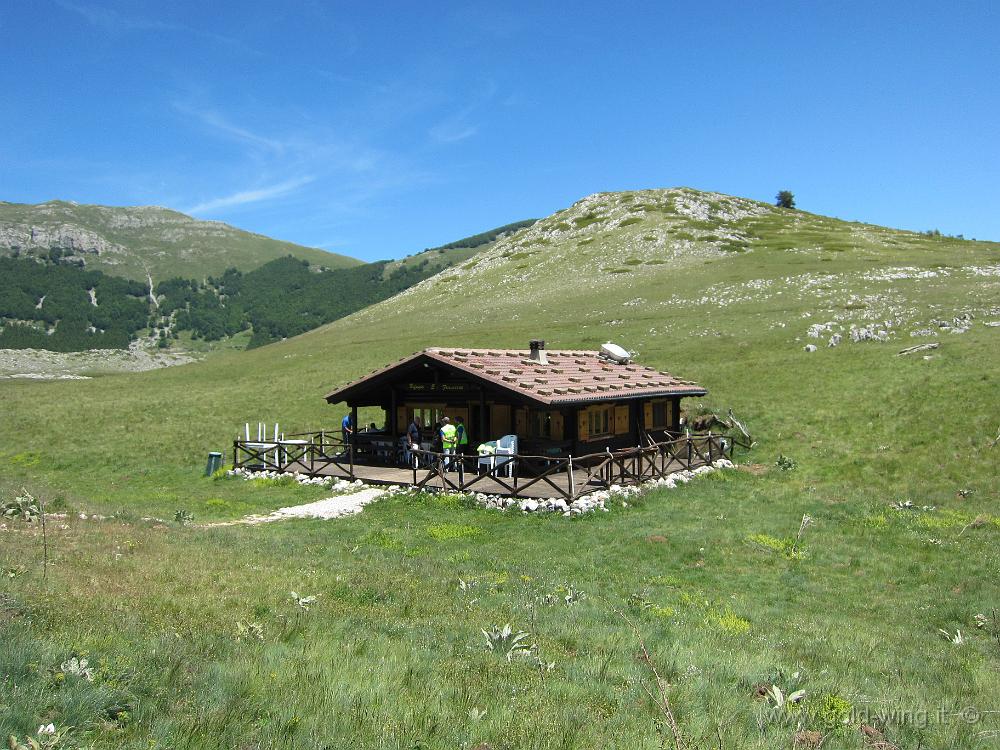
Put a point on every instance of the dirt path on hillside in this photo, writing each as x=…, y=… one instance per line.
x=330, y=508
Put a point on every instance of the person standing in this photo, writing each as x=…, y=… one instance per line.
x=449, y=439
x=347, y=431
x=462, y=433
x=412, y=440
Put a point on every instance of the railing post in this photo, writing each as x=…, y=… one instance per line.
x=236, y=443
x=689, y=447
x=710, y=458
x=572, y=481
x=350, y=454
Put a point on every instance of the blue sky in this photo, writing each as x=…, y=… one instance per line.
x=378, y=129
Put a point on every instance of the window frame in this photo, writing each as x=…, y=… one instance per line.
x=604, y=416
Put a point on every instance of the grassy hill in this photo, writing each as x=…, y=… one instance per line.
x=895, y=462
x=51, y=299
x=141, y=241
x=457, y=252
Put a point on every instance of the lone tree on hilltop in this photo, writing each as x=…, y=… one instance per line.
x=784, y=199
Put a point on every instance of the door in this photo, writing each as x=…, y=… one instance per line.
x=521, y=422
x=499, y=420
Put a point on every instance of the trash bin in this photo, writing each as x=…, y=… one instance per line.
x=214, y=463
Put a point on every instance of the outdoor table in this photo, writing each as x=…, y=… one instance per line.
x=285, y=443
x=264, y=447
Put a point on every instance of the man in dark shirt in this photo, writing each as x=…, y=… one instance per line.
x=412, y=438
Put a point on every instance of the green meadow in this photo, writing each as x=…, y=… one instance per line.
x=193, y=640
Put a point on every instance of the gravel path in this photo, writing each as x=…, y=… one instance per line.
x=333, y=507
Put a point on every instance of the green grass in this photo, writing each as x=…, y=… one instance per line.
x=391, y=653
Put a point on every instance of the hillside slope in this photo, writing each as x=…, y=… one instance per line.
x=645, y=265
x=141, y=241
x=49, y=302
x=454, y=253
x=888, y=473
x=721, y=290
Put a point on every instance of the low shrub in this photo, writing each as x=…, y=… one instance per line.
x=587, y=219
x=786, y=547
x=445, y=531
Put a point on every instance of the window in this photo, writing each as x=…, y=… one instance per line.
x=541, y=424
x=544, y=424
x=602, y=421
x=659, y=414
x=429, y=415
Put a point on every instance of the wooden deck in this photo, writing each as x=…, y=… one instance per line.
x=538, y=477
x=583, y=483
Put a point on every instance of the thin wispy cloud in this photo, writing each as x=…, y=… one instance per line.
x=112, y=21
x=116, y=23
x=453, y=130
x=217, y=122
x=347, y=173
x=458, y=125
x=255, y=195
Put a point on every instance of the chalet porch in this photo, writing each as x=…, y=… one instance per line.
x=320, y=454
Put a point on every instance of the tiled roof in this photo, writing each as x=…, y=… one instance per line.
x=568, y=376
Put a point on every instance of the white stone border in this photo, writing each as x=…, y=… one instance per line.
x=590, y=503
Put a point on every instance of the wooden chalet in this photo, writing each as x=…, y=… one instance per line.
x=557, y=402
x=560, y=424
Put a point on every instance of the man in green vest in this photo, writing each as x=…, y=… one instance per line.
x=463, y=437
x=449, y=439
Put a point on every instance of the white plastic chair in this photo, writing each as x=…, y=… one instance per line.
x=506, y=447
x=487, y=456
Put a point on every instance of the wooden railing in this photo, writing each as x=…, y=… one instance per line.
x=313, y=453
x=514, y=473
x=566, y=477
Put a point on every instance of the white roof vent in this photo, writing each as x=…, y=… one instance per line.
x=615, y=353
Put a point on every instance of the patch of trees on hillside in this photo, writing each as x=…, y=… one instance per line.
x=52, y=306
x=484, y=238
x=282, y=298
x=49, y=305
